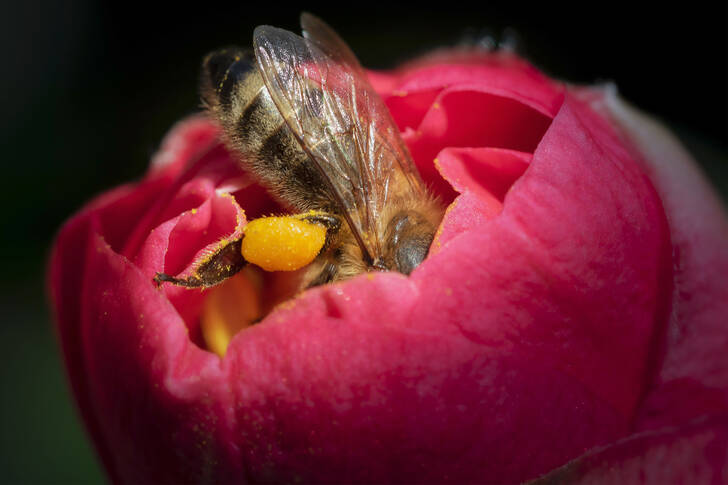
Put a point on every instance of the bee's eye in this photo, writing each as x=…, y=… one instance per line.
x=409, y=237
x=410, y=253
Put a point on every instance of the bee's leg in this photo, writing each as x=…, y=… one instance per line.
x=326, y=274
x=213, y=269
x=331, y=222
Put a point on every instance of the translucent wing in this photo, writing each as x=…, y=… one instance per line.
x=317, y=31
x=323, y=94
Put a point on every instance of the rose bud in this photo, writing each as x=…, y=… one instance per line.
x=571, y=307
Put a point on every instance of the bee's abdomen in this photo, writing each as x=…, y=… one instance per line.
x=222, y=71
x=233, y=90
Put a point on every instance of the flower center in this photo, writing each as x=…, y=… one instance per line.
x=275, y=244
x=229, y=308
x=242, y=301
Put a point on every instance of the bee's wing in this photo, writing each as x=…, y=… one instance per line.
x=323, y=94
x=317, y=31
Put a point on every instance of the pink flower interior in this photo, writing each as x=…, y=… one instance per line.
x=470, y=143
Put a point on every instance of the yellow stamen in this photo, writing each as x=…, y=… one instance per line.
x=282, y=243
x=228, y=308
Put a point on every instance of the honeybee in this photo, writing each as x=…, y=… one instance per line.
x=303, y=119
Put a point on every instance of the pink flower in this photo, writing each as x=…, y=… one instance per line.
x=573, y=303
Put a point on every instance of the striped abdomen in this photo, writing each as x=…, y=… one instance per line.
x=234, y=92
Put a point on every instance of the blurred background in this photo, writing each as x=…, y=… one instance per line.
x=89, y=90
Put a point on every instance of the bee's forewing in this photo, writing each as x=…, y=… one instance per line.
x=320, y=33
x=340, y=121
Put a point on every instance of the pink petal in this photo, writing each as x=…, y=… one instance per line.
x=139, y=365
x=182, y=145
x=482, y=176
x=334, y=389
x=469, y=118
x=694, y=453
x=691, y=372
x=463, y=214
x=502, y=74
x=567, y=274
x=521, y=83
x=488, y=172
x=411, y=108
x=382, y=82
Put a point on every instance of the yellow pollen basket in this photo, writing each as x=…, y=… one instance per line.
x=282, y=243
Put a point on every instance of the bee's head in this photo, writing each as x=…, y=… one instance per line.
x=408, y=237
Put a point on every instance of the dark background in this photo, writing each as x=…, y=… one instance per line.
x=89, y=90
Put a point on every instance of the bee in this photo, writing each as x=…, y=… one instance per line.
x=302, y=118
